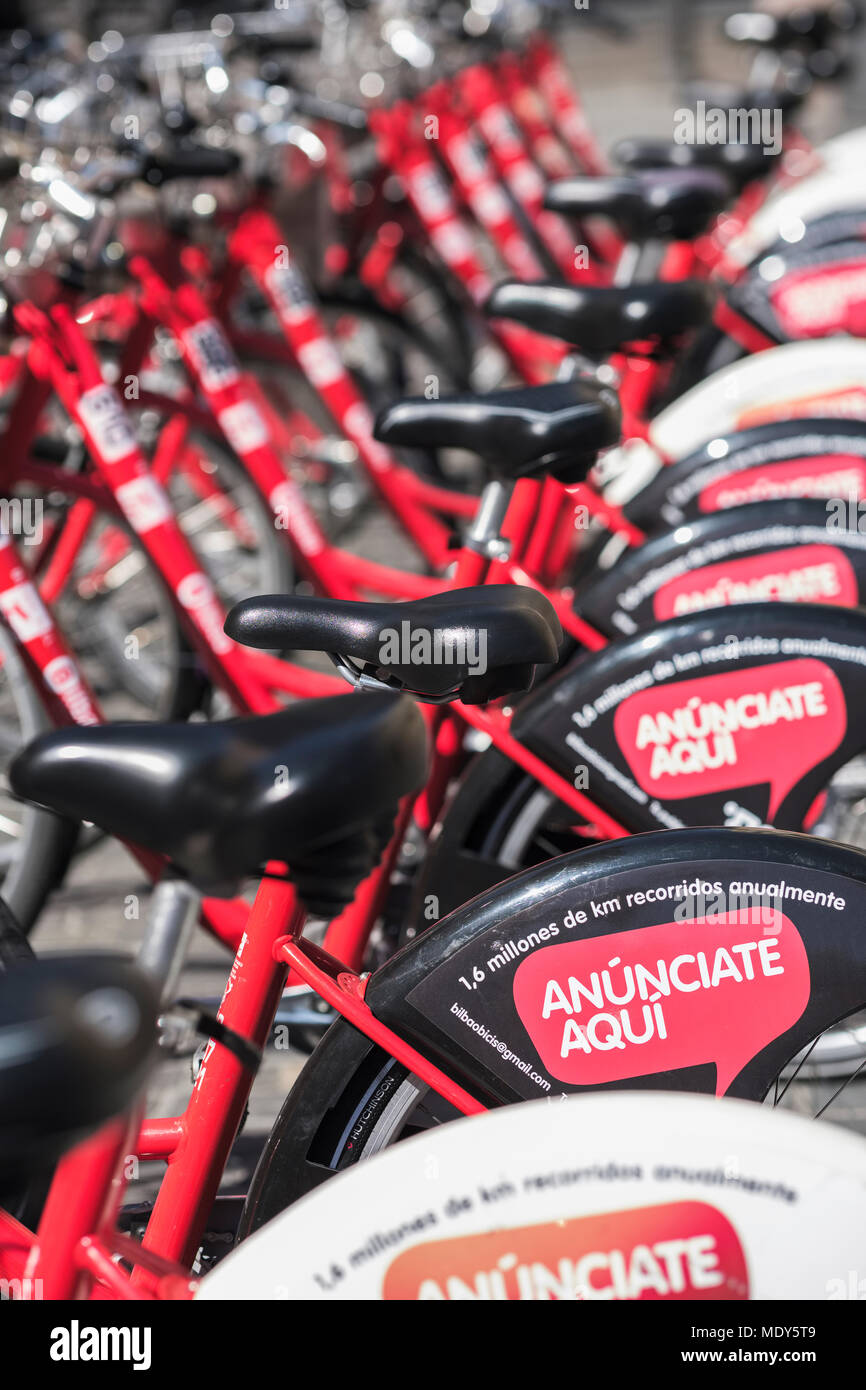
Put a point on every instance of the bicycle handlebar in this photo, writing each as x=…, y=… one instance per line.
x=190, y=163
x=335, y=112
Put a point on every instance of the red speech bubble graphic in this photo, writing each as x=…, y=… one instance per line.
x=716, y=733
x=653, y=999
x=811, y=302
x=800, y=574
x=830, y=475
x=673, y=1251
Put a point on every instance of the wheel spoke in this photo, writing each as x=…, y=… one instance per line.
x=840, y=1089
x=796, y=1070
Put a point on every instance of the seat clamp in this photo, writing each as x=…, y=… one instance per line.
x=358, y=679
x=490, y=547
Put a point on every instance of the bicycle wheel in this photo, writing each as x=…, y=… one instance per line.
x=35, y=846
x=567, y=1202
x=118, y=614
x=25, y=1204
x=387, y=357
x=228, y=523
x=352, y=1100
x=430, y=310
x=502, y=821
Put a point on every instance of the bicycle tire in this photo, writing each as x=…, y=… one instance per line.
x=26, y=1203
x=349, y=1083
x=273, y=559
x=47, y=841
x=178, y=686
x=352, y=1099
x=296, y=390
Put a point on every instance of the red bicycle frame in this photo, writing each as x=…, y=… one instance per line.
x=546, y=74
x=518, y=171
x=64, y=359
x=76, y=1242
x=478, y=184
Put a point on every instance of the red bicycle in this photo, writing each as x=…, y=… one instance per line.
x=207, y=797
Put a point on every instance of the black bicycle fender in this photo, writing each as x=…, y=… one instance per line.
x=735, y=716
x=697, y=960
x=781, y=551
x=817, y=458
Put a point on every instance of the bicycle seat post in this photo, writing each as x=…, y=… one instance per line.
x=484, y=536
x=638, y=261
x=171, y=919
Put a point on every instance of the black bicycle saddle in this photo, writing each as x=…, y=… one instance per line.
x=315, y=786
x=604, y=319
x=663, y=204
x=526, y=432
x=805, y=26
x=474, y=644
x=739, y=161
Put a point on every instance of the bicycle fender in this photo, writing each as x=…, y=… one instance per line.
x=773, y=461
x=729, y=717
x=809, y=292
x=781, y=551
x=697, y=960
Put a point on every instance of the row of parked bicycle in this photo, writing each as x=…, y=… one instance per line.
x=594, y=821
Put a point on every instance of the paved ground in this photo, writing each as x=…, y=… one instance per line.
x=627, y=88
x=634, y=87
